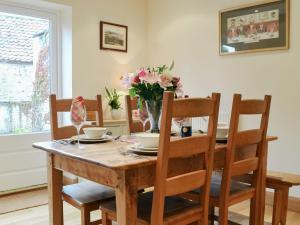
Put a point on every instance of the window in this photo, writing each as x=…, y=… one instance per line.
x=27, y=68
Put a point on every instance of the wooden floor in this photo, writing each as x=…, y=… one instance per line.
x=239, y=213
x=15, y=202
x=39, y=215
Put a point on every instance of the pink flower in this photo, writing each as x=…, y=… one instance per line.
x=142, y=73
x=179, y=89
x=175, y=80
x=165, y=81
x=136, y=79
x=150, y=78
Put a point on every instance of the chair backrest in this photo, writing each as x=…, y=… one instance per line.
x=64, y=105
x=254, y=139
x=133, y=125
x=201, y=146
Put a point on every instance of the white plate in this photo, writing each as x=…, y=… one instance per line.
x=140, y=151
x=138, y=146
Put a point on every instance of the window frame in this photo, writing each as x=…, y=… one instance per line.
x=55, y=48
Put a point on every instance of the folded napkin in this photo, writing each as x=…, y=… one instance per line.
x=78, y=113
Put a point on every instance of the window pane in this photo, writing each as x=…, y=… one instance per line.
x=24, y=74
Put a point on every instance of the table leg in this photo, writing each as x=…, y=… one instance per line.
x=277, y=207
x=54, y=193
x=284, y=206
x=126, y=198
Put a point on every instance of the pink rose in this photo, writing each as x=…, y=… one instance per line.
x=165, y=81
x=142, y=73
x=150, y=78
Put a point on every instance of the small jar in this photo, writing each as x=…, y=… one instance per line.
x=186, y=128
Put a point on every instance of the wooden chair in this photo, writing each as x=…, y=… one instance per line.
x=224, y=190
x=133, y=125
x=85, y=196
x=64, y=105
x=163, y=205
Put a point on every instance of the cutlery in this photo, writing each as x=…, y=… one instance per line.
x=65, y=141
x=117, y=137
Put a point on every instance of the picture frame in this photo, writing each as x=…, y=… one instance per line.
x=257, y=27
x=113, y=36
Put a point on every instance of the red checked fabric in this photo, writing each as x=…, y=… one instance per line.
x=77, y=111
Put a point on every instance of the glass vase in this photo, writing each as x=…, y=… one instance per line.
x=154, y=113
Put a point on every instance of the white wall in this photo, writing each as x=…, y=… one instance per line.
x=93, y=69
x=187, y=31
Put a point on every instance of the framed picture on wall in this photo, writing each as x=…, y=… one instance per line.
x=113, y=36
x=255, y=27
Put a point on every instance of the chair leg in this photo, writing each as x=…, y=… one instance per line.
x=254, y=208
x=223, y=215
x=212, y=215
x=255, y=203
x=105, y=220
x=85, y=216
x=62, y=213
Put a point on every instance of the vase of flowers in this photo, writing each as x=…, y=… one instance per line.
x=114, y=103
x=154, y=112
x=149, y=85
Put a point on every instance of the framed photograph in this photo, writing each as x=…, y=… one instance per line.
x=255, y=27
x=113, y=36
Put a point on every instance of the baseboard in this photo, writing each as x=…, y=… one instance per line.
x=294, y=203
x=23, y=190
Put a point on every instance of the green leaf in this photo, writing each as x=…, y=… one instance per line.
x=107, y=93
x=140, y=103
x=132, y=92
x=113, y=98
x=172, y=65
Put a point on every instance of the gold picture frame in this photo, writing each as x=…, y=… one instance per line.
x=256, y=27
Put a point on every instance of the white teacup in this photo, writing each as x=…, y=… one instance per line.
x=222, y=130
x=148, y=140
x=94, y=132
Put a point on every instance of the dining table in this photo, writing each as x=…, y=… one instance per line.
x=112, y=164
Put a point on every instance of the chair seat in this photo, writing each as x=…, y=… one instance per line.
x=173, y=206
x=235, y=187
x=87, y=192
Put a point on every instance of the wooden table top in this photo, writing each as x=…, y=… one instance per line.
x=112, y=154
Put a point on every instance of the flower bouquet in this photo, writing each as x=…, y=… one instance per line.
x=149, y=85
